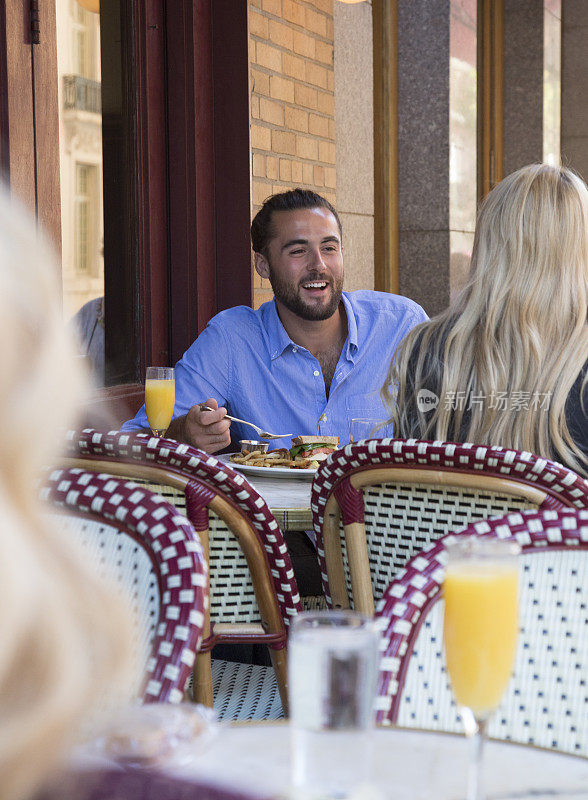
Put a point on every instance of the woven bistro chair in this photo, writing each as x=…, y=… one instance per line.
x=377, y=502
x=546, y=702
x=253, y=592
x=136, y=537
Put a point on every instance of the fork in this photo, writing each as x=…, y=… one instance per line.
x=262, y=434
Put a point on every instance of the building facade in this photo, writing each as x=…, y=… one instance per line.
x=188, y=114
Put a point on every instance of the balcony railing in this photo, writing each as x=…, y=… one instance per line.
x=82, y=94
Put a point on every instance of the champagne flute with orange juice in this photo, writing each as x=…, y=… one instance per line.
x=480, y=632
x=160, y=393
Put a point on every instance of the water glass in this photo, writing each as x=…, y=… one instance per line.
x=369, y=429
x=333, y=662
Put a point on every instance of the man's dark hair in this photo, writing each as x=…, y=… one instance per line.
x=261, y=227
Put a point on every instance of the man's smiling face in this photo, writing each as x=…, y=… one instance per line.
x=304, y=262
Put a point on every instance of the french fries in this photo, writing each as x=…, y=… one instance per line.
x=275, y=458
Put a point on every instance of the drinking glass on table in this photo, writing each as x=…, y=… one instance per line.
x=160, y=395
x=363, y=428
x=332, y=671
x=480, y=633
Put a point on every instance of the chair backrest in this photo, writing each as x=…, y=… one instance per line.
x=377, y=502
x=546, y=701
x=253, y=592
x=139, y=539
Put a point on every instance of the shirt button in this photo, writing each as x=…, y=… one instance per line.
x=324, y=419
x=294, y=349
x=316, y=373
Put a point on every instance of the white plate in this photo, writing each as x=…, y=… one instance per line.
x=269, y=472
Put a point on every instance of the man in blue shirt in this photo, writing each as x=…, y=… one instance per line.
x=305, y=363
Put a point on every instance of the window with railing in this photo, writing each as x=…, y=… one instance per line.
x=80, y=154
x=82, y=94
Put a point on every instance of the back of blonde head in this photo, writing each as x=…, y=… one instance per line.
x=58, y=647
x=516, y=335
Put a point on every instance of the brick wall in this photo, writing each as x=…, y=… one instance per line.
x=292, y=102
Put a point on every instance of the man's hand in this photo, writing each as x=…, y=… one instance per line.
x=207, y=430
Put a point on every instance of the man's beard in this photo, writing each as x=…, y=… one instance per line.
x=291, y=299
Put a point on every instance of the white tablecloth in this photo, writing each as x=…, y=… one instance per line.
x=287, y=497
x=278, y=493
x=410, y=765
x=281, y=493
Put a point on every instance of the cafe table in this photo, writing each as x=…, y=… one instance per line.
x=288, y=496
x=408, y=765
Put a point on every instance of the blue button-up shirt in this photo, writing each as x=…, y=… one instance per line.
x=248, y=363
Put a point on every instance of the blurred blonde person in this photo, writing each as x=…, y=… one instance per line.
x=507, y=360
x=58, y=648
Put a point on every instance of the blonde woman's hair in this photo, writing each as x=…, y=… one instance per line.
x=517, y=331
x=58, y=646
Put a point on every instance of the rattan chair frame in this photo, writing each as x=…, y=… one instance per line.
x=175, y=553
x=337, y=496
x=410, y=598
x=208, y=484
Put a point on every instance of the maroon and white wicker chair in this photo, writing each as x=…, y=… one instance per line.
x=138, y=538
x=546, y=703
x=253, y=592
x=377, y=502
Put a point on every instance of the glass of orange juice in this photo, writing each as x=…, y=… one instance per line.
x=480, y=632
x=160, y=395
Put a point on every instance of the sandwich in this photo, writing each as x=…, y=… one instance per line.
x=314, y=448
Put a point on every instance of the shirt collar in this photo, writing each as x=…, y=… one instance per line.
x=279, y=339
x=352, y=337
x=277, y=336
